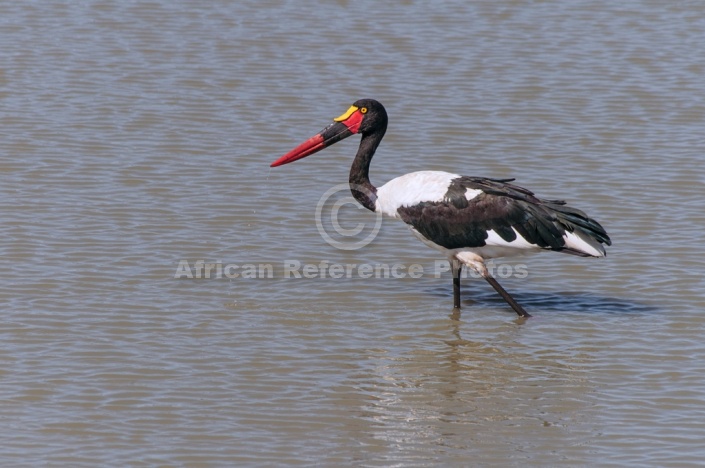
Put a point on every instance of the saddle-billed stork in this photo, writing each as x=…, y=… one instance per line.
x=469, y=219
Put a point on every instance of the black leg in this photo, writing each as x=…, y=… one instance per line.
x=456, y=266
x=505, y=295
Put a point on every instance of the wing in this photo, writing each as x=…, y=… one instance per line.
x=510, y=211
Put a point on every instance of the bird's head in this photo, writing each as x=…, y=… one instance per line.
x=365, y=116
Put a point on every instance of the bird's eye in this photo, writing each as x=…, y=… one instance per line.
x=363, y=110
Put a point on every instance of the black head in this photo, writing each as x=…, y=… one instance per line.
x=375, y=116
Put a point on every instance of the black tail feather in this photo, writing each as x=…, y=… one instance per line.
x=576, y=220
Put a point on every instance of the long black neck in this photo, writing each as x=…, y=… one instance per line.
x=360, y=185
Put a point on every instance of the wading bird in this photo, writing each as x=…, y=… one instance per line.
x=469, y=219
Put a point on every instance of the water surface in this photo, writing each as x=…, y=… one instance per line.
x=139, y=135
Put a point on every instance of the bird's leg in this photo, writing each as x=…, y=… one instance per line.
x=456, y=267
x=505, y=295
x=478, y=264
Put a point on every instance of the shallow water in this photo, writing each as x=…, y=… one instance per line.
x=138, y=136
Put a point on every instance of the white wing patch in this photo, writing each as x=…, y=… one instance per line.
x=472, y=193
x=572, y=241
x=582, y=244
x=519, y=243
x=412, y=189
